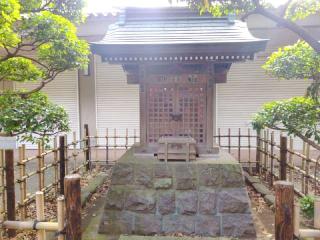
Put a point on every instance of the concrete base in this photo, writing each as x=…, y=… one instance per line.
x=206, y=197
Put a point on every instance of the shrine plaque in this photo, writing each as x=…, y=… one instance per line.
x=8, y=143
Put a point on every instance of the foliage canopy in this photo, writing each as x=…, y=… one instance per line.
x=38, y=41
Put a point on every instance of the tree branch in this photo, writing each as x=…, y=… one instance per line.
x=313, y=42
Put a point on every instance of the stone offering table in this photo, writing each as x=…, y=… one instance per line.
x=206, y=197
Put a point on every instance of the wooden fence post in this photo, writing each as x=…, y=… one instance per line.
x=316, y=220
x=284, y=204
x=41, y=234
x=86, y=134
x=60, y=211
x=258, y=155
x=73, y=207
x=11, y=198
x=62, y=159
x=283, y=158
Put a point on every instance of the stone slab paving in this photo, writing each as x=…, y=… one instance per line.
x=123, y=237
x=206, y=197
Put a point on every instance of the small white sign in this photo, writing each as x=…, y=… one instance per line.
x=7, y=143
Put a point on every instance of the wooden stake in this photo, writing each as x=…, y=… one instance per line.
x=56, y=162
x=272, y=159
x=74, y=151
x=61, y=215
x=291, y=160
x=41, y=234
x=306, y=190
x=284, y=199
x=107, y=146
x=22, y=183
x=258, y=155
x=66, y=154
x=62, y=158
x=229, y=140
x=40, y=166
x=73, y=206
x=11, y=198
x=87, y=136
x=283, y=158
x=249, y=151
x=239, y=145
x=296, y=219
x=316, y=220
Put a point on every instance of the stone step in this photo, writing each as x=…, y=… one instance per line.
x=135, y=237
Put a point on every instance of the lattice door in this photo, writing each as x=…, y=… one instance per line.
x=176, y=106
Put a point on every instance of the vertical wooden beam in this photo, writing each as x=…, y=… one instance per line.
x=107, y=146
x=283, y=158
x=316, y=220
x=11, y=197
x=56, y=164
x=229, y=140
x=272, y=158
x=284, y=200
x=249, y=151
x=87, y=142
x=62, y=158
x=291, y=159
x=258, y=155
x=239, y=145
x=296, y=219
x=306, y=190
x=209, y=110
x=22, y=183
x=60, y=216
x=74, y=143
x=41, y=234
x=73, y=206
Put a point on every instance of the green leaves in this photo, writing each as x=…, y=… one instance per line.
x=38, y=41
x=9, y=14
x=293, y=62
x=307, y=206
x=301, y=9
x=59, y=47
x=20, y=69
x=31, y=118
x=294, y=115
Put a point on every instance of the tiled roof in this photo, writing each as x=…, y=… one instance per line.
x=138, y=29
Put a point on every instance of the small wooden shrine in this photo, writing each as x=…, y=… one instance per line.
x=177, y=57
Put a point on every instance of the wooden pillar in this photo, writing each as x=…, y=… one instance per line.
x=62, y=159
x=258, y=155
x=284, y=204
x=283, y=158
x=143, y=105
x=73, y=206
x=86, y=134
x=11, y=198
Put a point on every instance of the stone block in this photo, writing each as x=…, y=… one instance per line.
x=162, y=170
x=115, y=199
x=269, y=199
x=233, y=201
x=231, y=176
x=262, y=189
x=178, y=224
x=207, y=202
x=166, y=202
x=238, y=225
x=185, y=176
x=207, y=226
x=147, y=224
x=162, y=183
x=187, y=202
x=144, y=175
x=141, y=201
x=122, y=174
x=117, y=222
x=209, y=175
